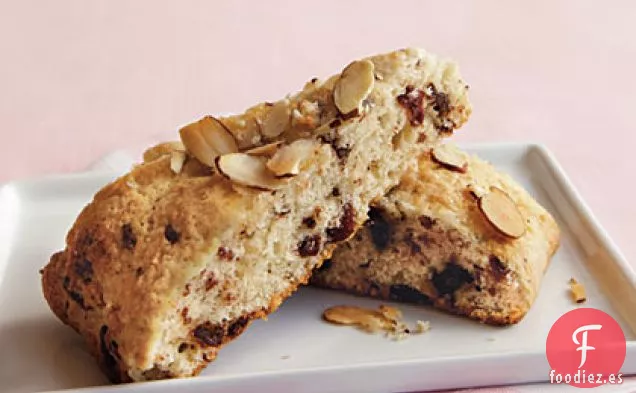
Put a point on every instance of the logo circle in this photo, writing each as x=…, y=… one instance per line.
x=585, y=348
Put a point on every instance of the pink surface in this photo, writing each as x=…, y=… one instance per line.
x=81, y=78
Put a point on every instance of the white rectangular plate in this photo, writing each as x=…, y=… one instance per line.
x=294, y=350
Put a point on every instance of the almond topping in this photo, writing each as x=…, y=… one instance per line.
x=265, y=150
x=354, y=86
x=277, y=119
x=217, y=135
x=248, y=170
x=207, y=139
x=162, y=149
x=578, y=291
x=288, y=159
x=502, y=212
x=450, y=157
x=177, y=158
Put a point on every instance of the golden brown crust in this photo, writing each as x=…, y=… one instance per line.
x=428, y=242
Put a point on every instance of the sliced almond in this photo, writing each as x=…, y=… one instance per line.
x=354, y=86
x=247, y=131
x=217, y=135
x=277, y=119
x=265, y=150
x=370, y=320
x=288, y=159
x=248, y=170
x=391, y=313
x=502, y=212
x=177, y=158
x=207, y=139
x=578, y=291
x=450, y=157
x=196, y=145
x=162, y=149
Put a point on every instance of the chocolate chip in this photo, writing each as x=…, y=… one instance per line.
x=326, y=265
x=451, y=279
x=343, y=152
x=426, y=221
x=335, y=123
x=225, y=254
x=409, y=239
x=446, y=127
x=335, y=192
x=128, y=237
x=406, y=293
x=210, y=282
x=309, y=246
x=84, y=268
x=75, y=296
x=182, y=347
x=346, y=227
x=171, y=234
x=184, y=316
x=314, y=80
x=237, y=326
x=498, y=268
x=379, y=228
x=108, y=360
x=208, y=335
x=413, y=101
x=441, y=103
x=139, y=272
x=309, y=222
x=41, y=271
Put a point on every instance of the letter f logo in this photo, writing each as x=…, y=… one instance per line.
x=583, y=344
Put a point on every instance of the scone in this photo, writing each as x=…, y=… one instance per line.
x=174, y=259
x=456, y=234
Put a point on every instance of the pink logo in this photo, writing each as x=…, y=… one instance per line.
x=586, y=348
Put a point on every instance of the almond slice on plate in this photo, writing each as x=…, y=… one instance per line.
x=578, y=291
x=390, y=313
x=369, y=320
x=502, y=212
x=354, y=86
x=450, y=157
x=248, y=170
x=265, y=150
x=287, y=160
x=207, y=139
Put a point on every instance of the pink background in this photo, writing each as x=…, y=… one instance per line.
x=81, y=78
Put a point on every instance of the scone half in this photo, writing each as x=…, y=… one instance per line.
x=175, y=259
x=457, y=234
